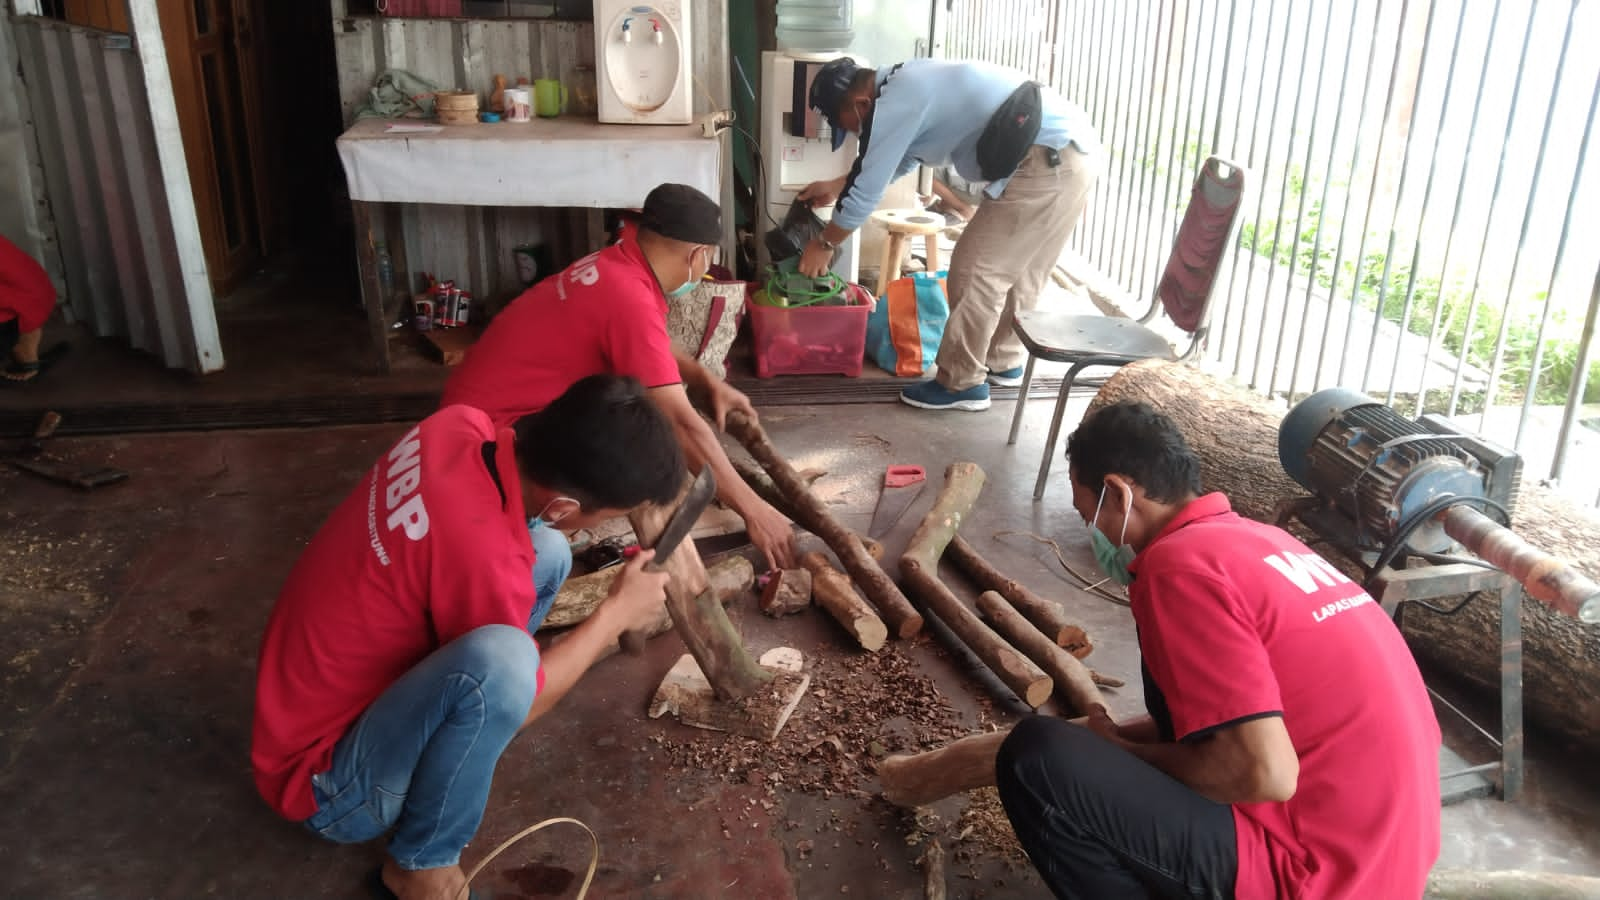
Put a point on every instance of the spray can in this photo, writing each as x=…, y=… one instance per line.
x=445, y=311
x=463, y=308
x=422, y=317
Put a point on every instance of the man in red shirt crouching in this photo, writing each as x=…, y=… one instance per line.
x=607, y=312
x=399, y=663
x=26, y=299
x=1290, y=748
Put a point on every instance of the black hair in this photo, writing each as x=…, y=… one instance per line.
x=604, y=443
x=1134, y=440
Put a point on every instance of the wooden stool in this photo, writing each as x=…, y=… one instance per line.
x=903, y=224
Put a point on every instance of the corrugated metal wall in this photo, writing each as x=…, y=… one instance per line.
x=97, y=150
x=473, y=245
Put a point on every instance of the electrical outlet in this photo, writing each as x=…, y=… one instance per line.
x=711, y=124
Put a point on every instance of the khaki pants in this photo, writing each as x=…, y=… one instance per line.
x=1002, y=260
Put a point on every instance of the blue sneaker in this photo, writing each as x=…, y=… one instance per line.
x=1006, y=377
x=933, y=395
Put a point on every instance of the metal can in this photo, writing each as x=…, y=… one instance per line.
x=422, y=314
x=445, y=311
x=463, y=307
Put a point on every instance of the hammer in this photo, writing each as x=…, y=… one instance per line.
x=678, y=527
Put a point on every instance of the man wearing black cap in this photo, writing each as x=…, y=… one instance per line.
x=607, y=313
x=1037, y=150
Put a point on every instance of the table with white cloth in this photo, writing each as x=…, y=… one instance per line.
x=562, y=162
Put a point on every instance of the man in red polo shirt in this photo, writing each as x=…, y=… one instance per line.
x=1290, y=748
x=26, y=299
x=608, y=313
x=398, y=662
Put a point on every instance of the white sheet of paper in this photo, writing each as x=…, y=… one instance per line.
x=400, y=128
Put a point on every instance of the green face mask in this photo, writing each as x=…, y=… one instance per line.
x=682, y=289
x=1113, y=558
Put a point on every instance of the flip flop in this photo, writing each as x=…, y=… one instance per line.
x=46, y=359
x=380, y=891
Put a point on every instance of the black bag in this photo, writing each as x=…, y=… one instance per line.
x=1010, y=132
x=799, y=226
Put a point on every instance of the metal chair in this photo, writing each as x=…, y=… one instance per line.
x=1209, y=228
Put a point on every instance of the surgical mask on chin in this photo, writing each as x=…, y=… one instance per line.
x=681, y=290
x=1113, y=558
x=539, y=521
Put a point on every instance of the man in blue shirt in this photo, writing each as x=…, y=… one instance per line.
x=1037, y=150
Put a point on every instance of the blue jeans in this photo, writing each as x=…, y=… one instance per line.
x=552, y=563
x=421, y=758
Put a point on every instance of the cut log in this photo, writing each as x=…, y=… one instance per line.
x=663, y=622
x=1072, y=679
x=1467, y=884
x=786, y=593
x=762, y=484
x=923, y=778
x=687, y=694
x=578, y=598
x=698, y=615
x=920, y=569
x=1235, y=434
x=834, y=593
x=813, y=516
x=1046, y=615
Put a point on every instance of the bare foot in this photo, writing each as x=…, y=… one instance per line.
x=443, y=883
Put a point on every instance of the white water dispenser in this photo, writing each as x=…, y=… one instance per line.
x=642, y=67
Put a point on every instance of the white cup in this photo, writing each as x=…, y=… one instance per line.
x=519, y=104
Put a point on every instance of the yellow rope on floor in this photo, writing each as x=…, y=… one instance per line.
x=594, y=854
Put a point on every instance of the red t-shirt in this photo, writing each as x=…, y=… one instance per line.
x=604, y=315
x=427, y=548
x=26, y=293
x=1237, y=620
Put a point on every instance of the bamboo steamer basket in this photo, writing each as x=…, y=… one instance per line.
x=456, y=107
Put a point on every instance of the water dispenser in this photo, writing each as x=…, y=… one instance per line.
x=642, y=66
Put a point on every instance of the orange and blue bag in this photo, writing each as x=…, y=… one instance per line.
x=904, y=332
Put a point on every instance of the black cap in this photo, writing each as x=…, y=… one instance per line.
x=827, y=92
x=682, y=213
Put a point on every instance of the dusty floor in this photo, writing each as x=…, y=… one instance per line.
x=129, y=620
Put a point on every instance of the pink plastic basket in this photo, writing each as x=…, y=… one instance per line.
x=809, y=340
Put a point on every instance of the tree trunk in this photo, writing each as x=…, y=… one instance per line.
x=923, y=778
x=920, y=569
x=809, y=512
x=1466, y=884
x=1072, y=679
x=760, y=482
x=698, y=615
x=1235, y=434
x=832, y=591
x=787, y=592
x=1046, y=615
x=579, y=597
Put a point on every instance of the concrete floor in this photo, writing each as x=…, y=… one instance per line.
x=129, y=620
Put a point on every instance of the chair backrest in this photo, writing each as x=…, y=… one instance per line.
x=1209, y=228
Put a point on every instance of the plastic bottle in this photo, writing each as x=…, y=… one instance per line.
x=385, y=266
x=815, y=26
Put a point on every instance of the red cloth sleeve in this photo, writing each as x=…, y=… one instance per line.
x=1201, y=646
x=26, y=293
x=637, y=344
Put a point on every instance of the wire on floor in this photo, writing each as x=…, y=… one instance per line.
x=1094, y=587
x=588, y=878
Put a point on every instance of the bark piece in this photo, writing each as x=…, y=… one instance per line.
x=1072, y=679
x=834, y=593
x=923, y=778
x=919, y=568
x=1235, y=434
x=788, y=592
x=580, y=596
x=697, y=614
x=687, y=694
x=809, y=512
x=1046, y=615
